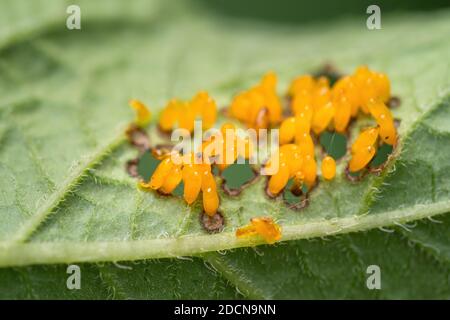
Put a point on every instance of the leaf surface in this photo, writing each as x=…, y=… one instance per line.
x=66, y=197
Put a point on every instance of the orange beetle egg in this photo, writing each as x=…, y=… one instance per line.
x=366, y=138
x=169, y=116
x=227, y=127
x=346, y=87
x=293, y=158
x=388, y=132
x=361, y=158
x=322, y=93
x=160, y=174
x=373, y=86
x=287, y=130
x=379, y=111
x=322, y=117
x=183, y=114
x=196, y=178
x=143, y=115
x=302, y=124
x=259, y=106
x=384, y=86
x=210, y=196
x=302, y=104
x=343, y=112
x=269, y=81
x=232, y=146
x=192, y=182
x=186, y=116
x=279, y=180
x=172, y=180
x=328, y=168
x=306, y=144
x=385, y=120
x=301, y=84
x=290, y=163
x=239, y=107
x=309, y=170
x=205, y=107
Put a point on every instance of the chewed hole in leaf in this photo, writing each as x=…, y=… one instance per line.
x=147, y=165
x=179, y=190
x=394, y=102
x=355, y=176
x=138, y=138
x=212, y=224
x=381, y=156
x=295, y=199
x=237, y=176
x=132, y=167
x=335, y=144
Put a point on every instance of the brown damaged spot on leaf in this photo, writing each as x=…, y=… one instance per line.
x=394, y=102
x=212, y=224
x=269, y=194
x=163, y=134
x=161, y=150
x=303, y=198
x=296, y=190
x=132, y=168
x=234, y=192
x=138, y=137
x=354, y=178
x=224, y=111
x=377, y=170
x=286, y=110
x=303, y=203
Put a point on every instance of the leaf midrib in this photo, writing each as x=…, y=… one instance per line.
x=25, y=231
x=64, y=252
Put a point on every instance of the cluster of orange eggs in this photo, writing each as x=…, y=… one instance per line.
x=182, y=114
x=315, y=106
x=194, y=169
x=258, y=107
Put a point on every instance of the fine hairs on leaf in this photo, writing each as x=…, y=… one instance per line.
x=65, y=196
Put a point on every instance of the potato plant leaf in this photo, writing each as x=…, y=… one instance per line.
x=65, y=195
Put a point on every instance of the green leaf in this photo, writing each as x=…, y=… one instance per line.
x=413, y=265
x=65, y=195
x=167, y=279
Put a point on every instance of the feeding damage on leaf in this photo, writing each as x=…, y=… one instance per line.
x=138, y=137
x=237, y=177
x=214, y=223
x=132, y=167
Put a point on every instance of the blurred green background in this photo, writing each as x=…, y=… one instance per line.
x=300, y=11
